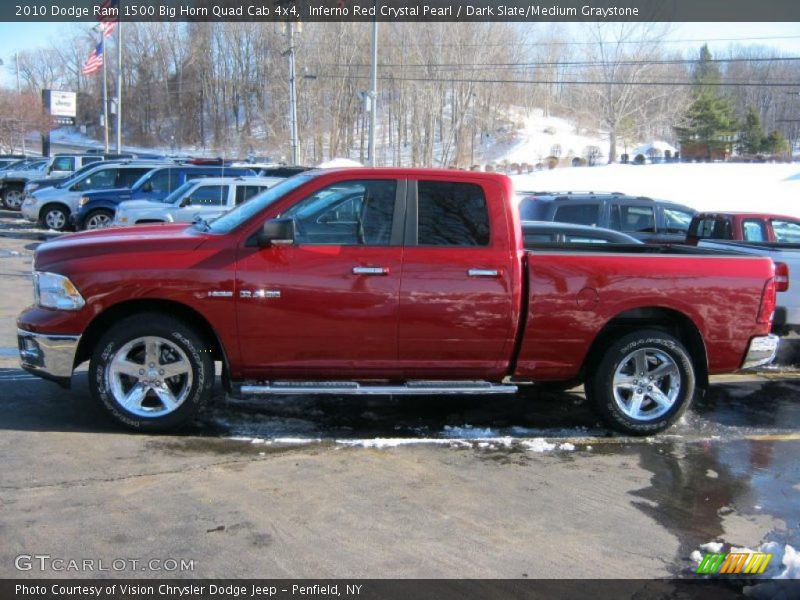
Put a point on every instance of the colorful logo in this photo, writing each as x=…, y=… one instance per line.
x=732, y=563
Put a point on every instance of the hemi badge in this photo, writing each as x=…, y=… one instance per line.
x=219, y=294
x=260, y=294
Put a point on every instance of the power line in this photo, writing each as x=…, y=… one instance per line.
x=564, y=43
x=564, y=82
x=582, y=63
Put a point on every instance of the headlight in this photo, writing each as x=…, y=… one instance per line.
x=56, y=291
x=83, y=201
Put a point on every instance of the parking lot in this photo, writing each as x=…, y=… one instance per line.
x=530, y=486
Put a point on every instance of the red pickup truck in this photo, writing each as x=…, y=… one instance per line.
x=387, y=281
x=744, y=227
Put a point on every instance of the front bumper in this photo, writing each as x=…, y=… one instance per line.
x=29, y=210
x=762, y=351
x=51, y=356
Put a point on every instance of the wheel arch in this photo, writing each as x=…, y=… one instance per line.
x=101, y=322
x=660, y=318
x=51, y=203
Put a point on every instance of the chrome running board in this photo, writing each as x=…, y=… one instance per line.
x=343, y=388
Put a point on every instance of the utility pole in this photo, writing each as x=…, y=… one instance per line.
x=105, y=90
x=119, y=87
x=19, y=95
x=373, y=92
x=292, y=96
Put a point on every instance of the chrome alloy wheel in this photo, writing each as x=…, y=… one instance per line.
x=55, y=219
x=14, y=198
x=149, y=376
x=98, y=221
x=647, y=384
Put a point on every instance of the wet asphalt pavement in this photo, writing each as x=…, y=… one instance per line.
x=528, y=486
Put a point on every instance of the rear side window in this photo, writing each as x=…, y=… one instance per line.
x=636, y=219
x=754, y=230
x=676, y=221
x=87, y=160
x=245, y=192
x=451, y=214
x=527, y=209
x=127, y=177
x=166, y=180
x=580, y=214
x=787, y=232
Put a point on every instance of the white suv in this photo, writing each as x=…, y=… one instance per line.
x=206, y=198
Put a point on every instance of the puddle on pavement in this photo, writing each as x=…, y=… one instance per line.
x=694, y=486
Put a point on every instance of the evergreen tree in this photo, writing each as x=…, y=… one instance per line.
x=752, y=138
x=775, y=143
x=710, y=118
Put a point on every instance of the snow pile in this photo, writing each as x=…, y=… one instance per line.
x=537, y=138
x=785, y=562
x=772, y=188
x=381, y=443
x=538, y=445
x=337, y=163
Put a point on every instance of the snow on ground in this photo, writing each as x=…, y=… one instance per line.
x=773, y=188
x=535, y=140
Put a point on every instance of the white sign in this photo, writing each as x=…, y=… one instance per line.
x=63, y=104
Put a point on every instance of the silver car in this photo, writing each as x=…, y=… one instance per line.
x=205, y=198
x=52, y=206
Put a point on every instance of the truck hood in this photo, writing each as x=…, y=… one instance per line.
x=115, y=240
x=138, y=204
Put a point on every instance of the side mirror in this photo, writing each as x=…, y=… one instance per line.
x=276, y=232
x=185, y=202
x=147, y=186
x=76, y=187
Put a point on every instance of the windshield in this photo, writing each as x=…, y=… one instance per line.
x=229, y=221
x=179, y=192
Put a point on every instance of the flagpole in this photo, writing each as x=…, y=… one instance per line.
x=119, y=87
x=105, y=89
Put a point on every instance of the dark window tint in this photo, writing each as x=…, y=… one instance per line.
x=350, y=213
x=127, y=177
x=87, y=160
x=245, y=192
x=754, y=230
x=580, y=214
x=633, y=218
x=451, y=214
x=165, y=181
x=209, y=195
x=717, y=229
x=527, y=209
x=103, y=179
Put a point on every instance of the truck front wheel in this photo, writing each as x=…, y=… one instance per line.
x=644, y=382
x=13, y=197
x=152, y=372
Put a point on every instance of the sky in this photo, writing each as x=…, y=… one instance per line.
x=16, y=37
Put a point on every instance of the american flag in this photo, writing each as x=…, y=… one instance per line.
x=95, y=61
x=108, y=22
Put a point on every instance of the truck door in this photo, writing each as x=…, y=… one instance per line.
x=326, y=307
x=457, y=316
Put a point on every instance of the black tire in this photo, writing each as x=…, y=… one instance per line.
x=55, y=217
x=96, y=215
x=661, y=351
x=13, y=198
x=175, y=333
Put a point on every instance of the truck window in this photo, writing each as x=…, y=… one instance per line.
x=451, y=214
x=87, y=160
x=210, y=195
x=676, y=221
x=245, y=192
x=64, y=163
x=347, y=214
x=165, y=181
x=787, y=232
x=711, y=228
x=580, y=214
x=754, y=230
x=633, y=218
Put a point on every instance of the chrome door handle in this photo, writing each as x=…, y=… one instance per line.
x=483, y=273
x=370, y=270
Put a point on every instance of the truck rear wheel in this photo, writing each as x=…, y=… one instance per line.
x=152, y=372
x=644, y=382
